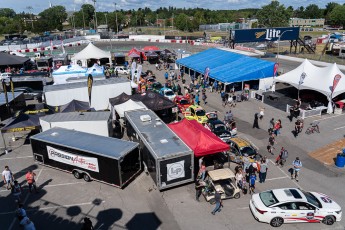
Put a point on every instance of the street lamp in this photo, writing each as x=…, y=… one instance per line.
x=117, y=27
x=277, y=58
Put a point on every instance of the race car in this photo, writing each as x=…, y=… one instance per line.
x=182, y=102
x=168, y=93
x=292, y=205
x=239, y=148
x=195, y=112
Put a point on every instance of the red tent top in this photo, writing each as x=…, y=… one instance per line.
x=134, y=52
x=199, y=139
x=151, y=48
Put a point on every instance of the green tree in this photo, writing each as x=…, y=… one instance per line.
x=299, y=12
x=273, y=15
x=54, y=17
x=181, y=22
x=7, y=12
x=329, y=7
x=337, y=16
x=313, y=11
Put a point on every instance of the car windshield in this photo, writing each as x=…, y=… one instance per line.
x=248, y=150
x=200, y=112
x=220, y=128
x=312, y=199
x=268, y=198
x=169, y=93
x=183, y=102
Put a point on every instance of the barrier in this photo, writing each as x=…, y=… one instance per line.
x=308, y=113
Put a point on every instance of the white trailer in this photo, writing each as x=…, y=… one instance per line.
x=102, y=90
x=98, y=123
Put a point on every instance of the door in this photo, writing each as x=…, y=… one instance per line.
x=293, y=212
x=39, y=158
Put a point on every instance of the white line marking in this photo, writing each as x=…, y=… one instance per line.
x=329, y=117
x=51, y=207
x=339, y=128
x=277, y=178
x=288, y=176
x=243, y=208
x=14, y=158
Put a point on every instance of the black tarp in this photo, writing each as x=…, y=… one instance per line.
x=74, y=106
x=40, y=109
x=154, y=101
x=8, y=59
x=122, y=98
x=23, y=122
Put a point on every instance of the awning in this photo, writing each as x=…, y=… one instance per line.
x=202, y=141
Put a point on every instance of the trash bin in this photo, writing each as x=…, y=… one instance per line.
x=340, y=161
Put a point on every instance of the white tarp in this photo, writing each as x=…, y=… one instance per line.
x=90, y=52
x=67, y=71
x=127, y=106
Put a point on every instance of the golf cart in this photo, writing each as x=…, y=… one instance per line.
x=222, y=180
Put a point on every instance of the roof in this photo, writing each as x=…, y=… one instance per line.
x=9, y=59
x=227, y=66
x=288, y=194
x=75, y=85
x=221, y=174
x=128, y=106
x=99, y=145
x=240, y=142
x=77, y=116
x=91, y=51
x=158, y=138
x=9, y=96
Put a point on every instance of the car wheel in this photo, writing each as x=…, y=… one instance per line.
x=212, y=201
x=277, y=222
x=237, y=195
x=328, y=220
x=76, y=174
x=86, y=178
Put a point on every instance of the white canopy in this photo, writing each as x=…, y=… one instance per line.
x=127, y=106
x=317, y=78
x=67, y=71
x=90, y=52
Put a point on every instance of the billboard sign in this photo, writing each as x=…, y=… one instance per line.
x=265, y=34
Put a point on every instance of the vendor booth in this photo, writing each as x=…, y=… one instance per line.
x=90, y=55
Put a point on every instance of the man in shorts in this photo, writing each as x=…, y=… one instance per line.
x=8, y=178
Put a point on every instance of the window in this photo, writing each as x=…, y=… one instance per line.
x=305, y=206
x=268, y=198
x=248, y=150
x=200, y=113
x=312, y=199
x=192, y=111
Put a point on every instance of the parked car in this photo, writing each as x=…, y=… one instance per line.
x=292, y=205
x=122, y=70
x=195, y=112
x=168, y=93
x=155, y=86
x=218, y=127
x=239, y=147
x=29, y=93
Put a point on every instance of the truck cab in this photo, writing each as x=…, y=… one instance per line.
x=44, y=63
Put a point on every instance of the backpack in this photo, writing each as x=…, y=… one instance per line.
x=285, y=154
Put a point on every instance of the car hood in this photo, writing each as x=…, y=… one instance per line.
x=326, y=202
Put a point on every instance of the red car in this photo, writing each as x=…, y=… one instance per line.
x=183, y=102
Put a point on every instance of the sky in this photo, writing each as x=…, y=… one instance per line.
x=108, y=5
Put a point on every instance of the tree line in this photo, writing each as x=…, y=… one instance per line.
x=271, y=15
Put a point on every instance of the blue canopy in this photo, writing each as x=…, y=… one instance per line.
x=228, y=67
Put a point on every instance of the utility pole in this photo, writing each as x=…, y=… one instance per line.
x=117, y=26
x=83, y=18
x=32, y=21
x=95, y=21
x=106, y=19
x=172, y=23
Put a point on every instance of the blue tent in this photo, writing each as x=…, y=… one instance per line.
x=228, y=67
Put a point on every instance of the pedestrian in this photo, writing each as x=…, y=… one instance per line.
x=199, y=185
x=26, y=223
x=231, y=116
x=197, y=102
x=200, y=162
x=252, y=183
x=166, y=75
x=256, y=121
x=20, y=210
x=239, y=177
x=271, y=126
x=222, y=96
x=204, y=97
x=245, y=162
x=30, y=179
x=271, y=142
x=253, y=167
x=263, y=171
x=218, y=199
x=297, y=165
x=262, y=113
x=17, y=192
x=202, y=171
x=277, y=127
x=283, y=155
x=8, y=178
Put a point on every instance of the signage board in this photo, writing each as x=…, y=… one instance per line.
x=175, y=170
x=265, y=34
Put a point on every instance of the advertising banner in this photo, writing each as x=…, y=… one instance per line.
x=336, y=81
x=266, y=34
x=139, y=69
x=89, y=87
x=133, y=68
x=175, y=170
x=89, y=163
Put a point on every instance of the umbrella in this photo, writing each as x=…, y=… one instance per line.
x=122, y=98
x=23, y=122
x=74, y=106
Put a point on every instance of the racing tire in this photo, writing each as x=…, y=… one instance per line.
x=237, y=195
x=212, y=201
x=328, y=220
x=86, y=177
x=277, y=222
x=76, y=174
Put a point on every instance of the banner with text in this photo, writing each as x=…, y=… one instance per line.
x=265, y=34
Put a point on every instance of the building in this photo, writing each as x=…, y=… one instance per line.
x=302, y=22
x=225, y=26
x=102, y=28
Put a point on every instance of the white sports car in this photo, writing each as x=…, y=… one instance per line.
x=292, y=205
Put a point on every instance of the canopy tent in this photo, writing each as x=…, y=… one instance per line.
x=228, y=67
x=151, y=48
x=74, y=106
x=23, y=122
x=202, y=141
x=95, y=70
x=40, y=109
x=60, y=75
x=154, y=101
x=90, y=52
x=127, y=106
x=135, y=53
x=123, y=97
x=8, y=59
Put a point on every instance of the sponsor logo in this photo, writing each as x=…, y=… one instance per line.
x=175, y=170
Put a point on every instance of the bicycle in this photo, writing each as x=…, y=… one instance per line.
x=313, y=128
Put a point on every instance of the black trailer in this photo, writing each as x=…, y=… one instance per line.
x=166, y=157
x=88, y=156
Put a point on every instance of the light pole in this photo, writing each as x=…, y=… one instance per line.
x=277, y=57
x=95, y=21
x=32, y=20
x=106, y=19
x=117, y=27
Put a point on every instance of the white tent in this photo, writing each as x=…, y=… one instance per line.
x=90, y=52
x=95, y=70
x=316, y=78
x=67, y=71
x=127, y=106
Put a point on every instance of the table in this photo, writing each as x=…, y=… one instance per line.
x=273, y=97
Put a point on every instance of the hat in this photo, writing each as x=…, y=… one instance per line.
x=255, y=165
x=297, y=158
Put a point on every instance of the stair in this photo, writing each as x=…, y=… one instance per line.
x=306, y=46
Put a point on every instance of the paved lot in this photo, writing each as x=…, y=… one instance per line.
x=63, y=201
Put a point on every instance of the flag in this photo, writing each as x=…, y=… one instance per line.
x=301, y=79
x=89, y=87
x=139, y=69
x=62, y=47
x=275, y=69
x=336, y=81
x=207, y=71
x=133, y=67
x=12, y=88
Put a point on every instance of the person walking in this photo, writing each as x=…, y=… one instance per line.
x=271, y=126
x=252, y=180
x=30, y=179
x=239, y=177
x=283, y=155
x=204, y=97
x=256, y=121
x=20, y=210
x=199, y=185
x=197, y=101
x=26, y=223
x=271, y=142
x=263, y=171
x=218, y=199
x=8, y=178
x=297, y=165
x=17, y=192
